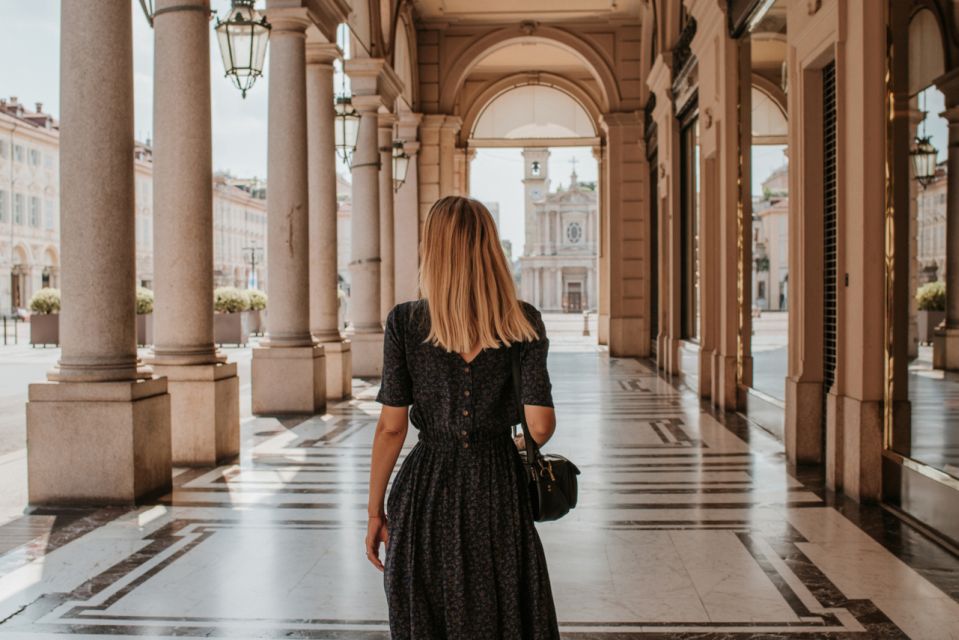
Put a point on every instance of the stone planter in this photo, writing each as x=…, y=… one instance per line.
x=928, y=321
x=256, y=322
x=145, y=329
x=231, y=328
x=45, y=329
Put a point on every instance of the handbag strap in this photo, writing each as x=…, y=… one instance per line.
x=532, y=449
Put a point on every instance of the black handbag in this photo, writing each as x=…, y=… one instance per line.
x=550, y=478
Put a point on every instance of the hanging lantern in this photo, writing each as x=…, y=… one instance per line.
x=346, y=127
x=243, y=37
x=401, y=164
x=147, y=6
x=923, y=156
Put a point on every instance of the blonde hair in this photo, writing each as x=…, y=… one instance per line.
x=466, y=280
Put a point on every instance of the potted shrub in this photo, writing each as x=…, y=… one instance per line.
x=230, y=323
x=257, y=311
x=144, y=316
x=931, y=303
x=45, y=317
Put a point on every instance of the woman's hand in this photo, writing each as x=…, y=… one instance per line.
x=376, y=532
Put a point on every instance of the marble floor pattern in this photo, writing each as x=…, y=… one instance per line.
x=688, y=526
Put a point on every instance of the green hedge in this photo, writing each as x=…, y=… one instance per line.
x=230, y=300
x=144, y=301
x=257, y=299
x=931, y=297
x=45, y=301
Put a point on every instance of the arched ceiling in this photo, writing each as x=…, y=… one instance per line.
x=533, y=112
x=539, y=10
x=521, y=55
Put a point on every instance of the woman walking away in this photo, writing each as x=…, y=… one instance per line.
x=463, y=558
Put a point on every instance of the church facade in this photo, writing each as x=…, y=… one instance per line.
x=558, y=265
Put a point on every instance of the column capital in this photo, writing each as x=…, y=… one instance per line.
x=951, y=114
x=322, y=53
x=386, y=120
x=948, y=83
x=367, y=104
x=288, y=19
x=374, y=77
x=408, y=124
x=622, y=119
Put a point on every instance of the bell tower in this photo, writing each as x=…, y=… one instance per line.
x=536, y=186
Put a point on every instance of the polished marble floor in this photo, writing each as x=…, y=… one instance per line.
x=688, y=526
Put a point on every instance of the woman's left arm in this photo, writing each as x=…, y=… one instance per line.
x=387, y=442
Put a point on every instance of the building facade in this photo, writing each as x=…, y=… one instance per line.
x=29, y=203
x=771, y=244
x=931, y=228
x=30, y=213
x=558, y=265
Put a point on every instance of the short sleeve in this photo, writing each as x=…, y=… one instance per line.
x=537, y=389
x=396, y=387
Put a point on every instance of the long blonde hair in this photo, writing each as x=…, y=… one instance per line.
x=466, y=280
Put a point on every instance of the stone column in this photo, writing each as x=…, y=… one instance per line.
x=324, y=303
x=204, y=389
x=375, y=87
x=384, y=138
x=601, y=301
x=99, y=430
x=289, y=369
x=406, y=214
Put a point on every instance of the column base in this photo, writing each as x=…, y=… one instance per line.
x=204, y=412
x=803, y=426
x=628, y=338
x=289, y=380
x=339, y=369
x=706, y=372
x=861, y=425
x=602, y=328
x=667, y=354
x=367, y=348
x=945, y=349
x=98, y=443
x=724, y=382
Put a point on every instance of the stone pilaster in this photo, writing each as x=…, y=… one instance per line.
x=946, y=340
x=384, y=138
x=321, y=153
x=668, y=174
x=375, y=87
x=99, y=430
x=406, y=213
x=289, y=370
x=204, y=389
x=628, y=250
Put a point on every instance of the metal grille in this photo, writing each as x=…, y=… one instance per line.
x=830, y=275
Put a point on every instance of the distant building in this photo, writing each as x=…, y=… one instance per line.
x=30, y=212
x=29, y=203
x=558, y=265
x=771, y=243
x=931, y=228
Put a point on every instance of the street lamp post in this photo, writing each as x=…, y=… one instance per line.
x=254, y=256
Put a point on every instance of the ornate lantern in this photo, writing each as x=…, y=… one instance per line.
x=147, y=6
x=923, y=155
x=243, y=37
x=401, y=164
x=346, y=127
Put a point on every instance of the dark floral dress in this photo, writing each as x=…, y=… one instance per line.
x=464, y=560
